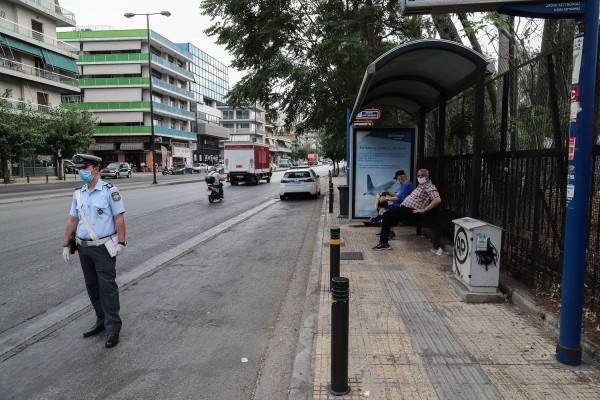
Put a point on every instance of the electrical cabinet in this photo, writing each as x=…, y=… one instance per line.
x=476, y=260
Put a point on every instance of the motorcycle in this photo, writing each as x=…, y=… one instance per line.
x=213, y=193
x=167, y=171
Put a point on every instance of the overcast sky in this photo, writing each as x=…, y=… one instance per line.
x=185, y=24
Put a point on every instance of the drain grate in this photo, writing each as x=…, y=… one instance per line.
x=351, y=255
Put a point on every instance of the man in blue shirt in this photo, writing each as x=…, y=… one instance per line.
x=100, y=231
x=406, y=187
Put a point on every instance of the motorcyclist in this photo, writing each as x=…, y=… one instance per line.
x=213, y=172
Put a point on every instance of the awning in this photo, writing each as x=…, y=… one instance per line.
x=102, y=146
x=60, y=61
x=22, y=46
x=3, y=40
x=132, y=146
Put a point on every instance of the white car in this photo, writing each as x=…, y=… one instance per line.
x=196, y=167
x=300, y=181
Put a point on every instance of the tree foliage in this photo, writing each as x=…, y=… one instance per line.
x=307, y=58
x=26, y=131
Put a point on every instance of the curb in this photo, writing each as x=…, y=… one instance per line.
x=301, y=387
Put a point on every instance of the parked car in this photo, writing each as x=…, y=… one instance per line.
x=116, y=170
x=178, y=170
x=300, y=181
x=69, y=167
x=196, y=167
x=220, y=168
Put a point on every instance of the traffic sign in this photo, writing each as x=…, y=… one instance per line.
x=456, y=6
x=371, y=113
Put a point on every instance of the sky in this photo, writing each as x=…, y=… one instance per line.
x=186, y=24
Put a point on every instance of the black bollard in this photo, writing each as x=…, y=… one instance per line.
x=27, y=178
x=46, y=177
x=340, y=313
x=330, y=197
x=334, y=255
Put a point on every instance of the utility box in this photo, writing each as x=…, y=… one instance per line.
x=476, y=261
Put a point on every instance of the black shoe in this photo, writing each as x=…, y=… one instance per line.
x=376, y=218
x=94, y=330
x=112, y=341
x=382, y=247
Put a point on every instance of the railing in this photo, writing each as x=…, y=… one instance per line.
x=41, y=73
x=173, y=110
x=114, y=81
x=53, y=8
x=71, y=99
x=22, y=105
x=172, y=88
x=113, y=57
x=174, y=67
x=49, y=40
x=170, y=45
x=175, y=132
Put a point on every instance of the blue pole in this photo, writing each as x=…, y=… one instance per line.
x=585, y=49
x=348, y=146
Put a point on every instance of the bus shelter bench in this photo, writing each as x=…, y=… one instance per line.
x=431, y=219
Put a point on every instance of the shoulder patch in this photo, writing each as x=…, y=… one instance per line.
x=77, y=188
x=115, y=196
x=109, y=185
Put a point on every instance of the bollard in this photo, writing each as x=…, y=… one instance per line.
x=340, y=312
x=334, y=255
x=27, y=178
x=46, y=177
x=330, y=197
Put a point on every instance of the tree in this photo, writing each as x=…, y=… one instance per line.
x=21, y=131
x=334, y=147
x=307, y=58
x=69, y=131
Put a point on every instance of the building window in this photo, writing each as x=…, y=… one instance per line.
x=38, y=30
x=243, y=114
x=228, y=115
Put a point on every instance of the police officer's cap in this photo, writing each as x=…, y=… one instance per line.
x=83, y=160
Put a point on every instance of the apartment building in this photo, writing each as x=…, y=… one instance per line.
x=210, y=85
x=127, y=82
x=35, y=67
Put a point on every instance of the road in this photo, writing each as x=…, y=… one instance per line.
x=211, y=296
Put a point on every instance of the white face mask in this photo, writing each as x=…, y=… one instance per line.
x=422, y=180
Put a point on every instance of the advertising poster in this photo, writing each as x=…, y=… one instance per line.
x=377, y=153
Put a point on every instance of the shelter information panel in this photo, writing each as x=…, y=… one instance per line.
x=377, y=153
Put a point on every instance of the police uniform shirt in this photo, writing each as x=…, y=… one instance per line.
x=99, y=205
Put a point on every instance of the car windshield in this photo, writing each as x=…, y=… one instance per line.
x=299, y=174
x=113, y=165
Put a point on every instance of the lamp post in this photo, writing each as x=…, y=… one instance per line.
x=166, y=14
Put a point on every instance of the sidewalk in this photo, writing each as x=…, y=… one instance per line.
x=411, y=337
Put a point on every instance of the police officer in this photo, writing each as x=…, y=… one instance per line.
x=103, y=209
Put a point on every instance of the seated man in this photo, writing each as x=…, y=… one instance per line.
x=424, y=198
x=406, y=188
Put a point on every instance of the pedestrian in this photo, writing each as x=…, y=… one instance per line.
x=425, y=197
x=406, y=188
x=96, y=217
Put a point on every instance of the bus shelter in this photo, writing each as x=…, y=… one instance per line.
x=418, y=77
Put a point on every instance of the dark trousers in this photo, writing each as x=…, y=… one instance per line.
x=100, y=276
x=391, y=218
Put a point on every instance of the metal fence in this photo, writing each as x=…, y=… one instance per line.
x=524, y=172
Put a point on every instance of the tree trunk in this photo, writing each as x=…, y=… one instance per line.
x=5, y=172
x=492, y=92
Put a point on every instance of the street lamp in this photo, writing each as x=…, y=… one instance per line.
x=166, y=14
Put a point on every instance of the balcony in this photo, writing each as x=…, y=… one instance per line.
x=125, y=57
x=172, y=46
x=172, y=67
x=52, y=9
x=22, y=105
x=159, y=107
x=175, y=132
x=28, y=70
x=135, y=81
x=28, y=33
x=172, y=88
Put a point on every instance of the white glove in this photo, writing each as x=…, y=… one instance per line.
x=120, y=249
x=66, y=254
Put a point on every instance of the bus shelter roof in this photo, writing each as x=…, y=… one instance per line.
x=417, y=76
